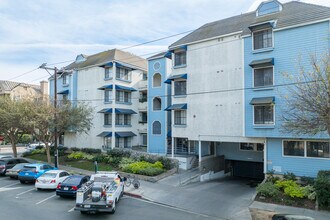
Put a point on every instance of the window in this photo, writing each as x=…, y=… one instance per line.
x=143, y=97
x=107, y=119
x=65, y=79
x=123, y=142
x=262, y=39
x=107, y=95
x=263, y=114
x=144, y=139
x=180, y=87
x=65, y=97
x=123, y=74
x=180, y=117
x=263, y=77
x=107, y=142
x=122, y=96
x=107, y=73
x=143, y=117
x=180, y=58
x=293, y=148
x=157, y=79
x=318, y=149
x=144, y=76
x=156, y=128
x=157, y=104
x=251, y=146
x=123, y=119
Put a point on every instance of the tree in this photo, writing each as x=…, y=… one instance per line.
x=12, y=125
x=42, y=123
x=307, y=109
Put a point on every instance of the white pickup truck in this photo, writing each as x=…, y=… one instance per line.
x=101, y=193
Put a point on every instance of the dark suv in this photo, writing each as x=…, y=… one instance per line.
x=7, y=163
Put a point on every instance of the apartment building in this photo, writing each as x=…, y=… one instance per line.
x=226, y=93
x=111, y=83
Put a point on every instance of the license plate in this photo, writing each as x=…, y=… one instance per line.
x=66, y=188
x=87, y=206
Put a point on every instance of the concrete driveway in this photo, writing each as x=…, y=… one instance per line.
x=228, y=198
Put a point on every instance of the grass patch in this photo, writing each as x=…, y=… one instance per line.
x=85, y=165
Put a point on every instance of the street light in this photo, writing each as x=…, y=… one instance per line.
x=44, y=66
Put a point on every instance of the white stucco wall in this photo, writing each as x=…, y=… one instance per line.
x=89, y=80
x=215, y=65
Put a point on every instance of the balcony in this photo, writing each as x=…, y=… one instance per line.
x=142, y=106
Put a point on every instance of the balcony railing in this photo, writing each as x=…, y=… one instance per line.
x=144, y=99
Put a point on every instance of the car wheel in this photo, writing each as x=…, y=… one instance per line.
x=83, y=212
x=11, y=177
x=22, y=181
x=113, y=207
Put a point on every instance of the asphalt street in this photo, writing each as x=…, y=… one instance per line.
x=22, y=202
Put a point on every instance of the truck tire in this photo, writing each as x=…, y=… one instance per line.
x=22, y=181
x=113, y=207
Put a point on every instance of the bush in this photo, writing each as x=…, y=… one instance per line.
x=271, y=177
x=91, y=150
x=101, y=158
x=61, y=150
x=310, y=192
x=78, y=155
x=75, y=149
x=167, y=163
x=145, y=168
x=322, y=187
x=282, y=184
x=267, y=189
x=289, y=176
x=307, y=180
x=118, y=153
x=295, y=191
x=114, y=161
x=125, y=162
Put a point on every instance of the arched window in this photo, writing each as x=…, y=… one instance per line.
x=157, y=104
x=157, y=80
x=156, y=128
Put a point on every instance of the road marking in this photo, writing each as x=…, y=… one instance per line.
x=71, y=210
x=179, y=209
x=9, y=185
x=25, y=192
x=8, y=189
x=45, y=199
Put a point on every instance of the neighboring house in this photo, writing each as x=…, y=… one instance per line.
x=109, y=82
x=225, y=101
x=159, y=93
x=17, y=90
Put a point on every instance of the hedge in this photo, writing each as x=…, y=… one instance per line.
x=322, y=186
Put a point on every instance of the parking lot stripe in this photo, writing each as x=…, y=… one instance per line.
x=9, y=185
x=71, y=210
x=25, y=192
x=45, y=199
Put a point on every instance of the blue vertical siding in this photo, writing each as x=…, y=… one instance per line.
x=157, y=143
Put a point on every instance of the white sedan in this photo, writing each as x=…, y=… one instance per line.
x=50, y=179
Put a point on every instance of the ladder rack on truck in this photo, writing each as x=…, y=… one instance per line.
x=101, y=193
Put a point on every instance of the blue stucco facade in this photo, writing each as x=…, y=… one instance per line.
x=157, y=143
x=291, y=49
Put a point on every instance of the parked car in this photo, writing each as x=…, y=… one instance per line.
x=13, y=172
x=5, y=156
x=50, y=179
x=7, y=163
x=69, y=187
x=33, y=146
x=31, y=172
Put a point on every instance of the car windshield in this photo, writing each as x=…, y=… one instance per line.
x=2, y=162
x=18, y=166
x=50, y=175
x=75, y=180
x=27, y=168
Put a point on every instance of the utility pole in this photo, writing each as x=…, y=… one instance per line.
x=43, y=66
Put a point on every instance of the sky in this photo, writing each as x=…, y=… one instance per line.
x=33, y=32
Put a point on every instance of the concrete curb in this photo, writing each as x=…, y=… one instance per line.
x=134, y=195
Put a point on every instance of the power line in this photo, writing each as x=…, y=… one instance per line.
x=22, y=74
x=205, y=92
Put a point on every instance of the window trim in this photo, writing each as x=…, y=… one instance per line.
x=180, y=110
x=264, y=48
x=305, y=149
x=181, y=65
x=110, y=96
x=262, y=87
x=155, y=87
x=160, y=109
x=267, y=125
x=152, y=128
